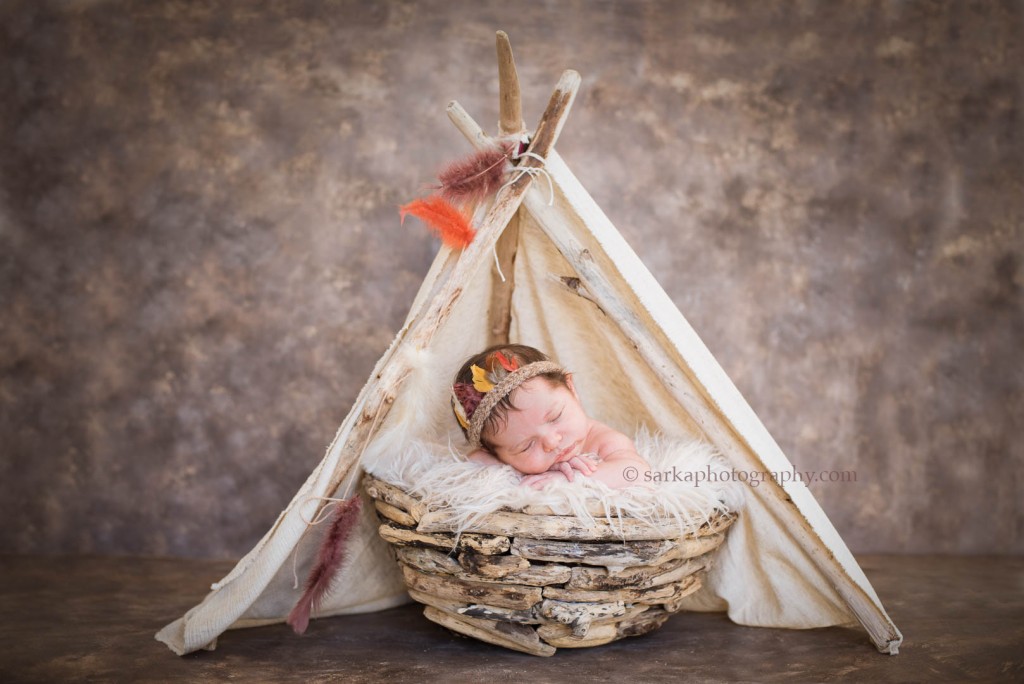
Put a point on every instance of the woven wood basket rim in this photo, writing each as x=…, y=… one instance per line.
x=508, y=521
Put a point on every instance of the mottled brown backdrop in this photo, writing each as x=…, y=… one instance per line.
x=201, y=259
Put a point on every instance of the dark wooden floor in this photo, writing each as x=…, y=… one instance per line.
x=93, y=619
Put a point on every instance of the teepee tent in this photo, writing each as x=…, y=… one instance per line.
x=547, y=268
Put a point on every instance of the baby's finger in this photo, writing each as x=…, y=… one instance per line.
x=529, y=481
x=543, y=479
x=566, y=470
x=583, y=465
x=578, y=464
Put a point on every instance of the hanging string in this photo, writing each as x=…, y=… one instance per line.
x=533, y=171
x=321, y=516
x=494, y=249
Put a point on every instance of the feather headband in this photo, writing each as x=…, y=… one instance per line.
x=473, y=403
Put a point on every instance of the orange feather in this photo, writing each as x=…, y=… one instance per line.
x=443, y=218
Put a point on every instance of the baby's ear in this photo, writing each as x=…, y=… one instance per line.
x=572, y=386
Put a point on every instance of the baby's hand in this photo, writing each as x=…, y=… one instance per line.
x=585, y=463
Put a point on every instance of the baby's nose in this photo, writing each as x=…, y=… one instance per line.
x=552, y=440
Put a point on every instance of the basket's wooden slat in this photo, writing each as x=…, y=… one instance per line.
x=541, y=575
x=593, y=507
x=682, y=573
x=642, y=623
x=400, y=536
x=516, y=596
x=491, y=565
x=561, y=636
x=719, y=523
x=555, y=527
x=533, y=576
x=428, y=560
x=447, y=605
x=570, y=612
x=390, y=494
x=607, y=554
x=677, y=590
x=620, y=556
x=675, y=604
x=638, y=620
x=393, y=513
x=477, y=610
x=579, y=629
x=434, y=562
x=522, y=617
x=509, y=635
x=631, y=612
x=637, y=577
x=626, y=594
x=693, y=548
x=485, y=543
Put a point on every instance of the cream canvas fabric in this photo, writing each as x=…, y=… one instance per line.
x=771, y=571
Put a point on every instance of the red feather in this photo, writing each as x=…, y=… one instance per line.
x=328, y=562
x=475, y=177
x=505, y=363
x=450, y=224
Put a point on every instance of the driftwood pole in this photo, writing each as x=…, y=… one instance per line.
x=510, y=122
x=511, y=106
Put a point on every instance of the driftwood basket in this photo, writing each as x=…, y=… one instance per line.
x=533, y=582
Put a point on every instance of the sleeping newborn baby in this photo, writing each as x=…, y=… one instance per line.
x=518, y=408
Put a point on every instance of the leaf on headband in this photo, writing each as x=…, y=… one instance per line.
x=481, y=383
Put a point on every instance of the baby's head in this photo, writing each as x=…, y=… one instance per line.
x=515, y=403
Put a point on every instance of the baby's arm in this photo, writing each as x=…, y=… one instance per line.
x=621, y=466
x=559, y=471
x=481, y=456
x=536, y=481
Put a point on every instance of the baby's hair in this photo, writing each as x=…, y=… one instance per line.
x=487, y=360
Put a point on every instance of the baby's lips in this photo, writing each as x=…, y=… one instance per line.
x=568, y=453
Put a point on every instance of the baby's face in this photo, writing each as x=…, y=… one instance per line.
x=548, y=427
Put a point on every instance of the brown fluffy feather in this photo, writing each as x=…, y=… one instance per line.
x=328, y=562
x=471, y=179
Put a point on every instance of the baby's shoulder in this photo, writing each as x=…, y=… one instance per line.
x=481, y=456
x=606, y=441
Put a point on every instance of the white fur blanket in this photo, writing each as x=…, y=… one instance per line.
x=688, y=483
